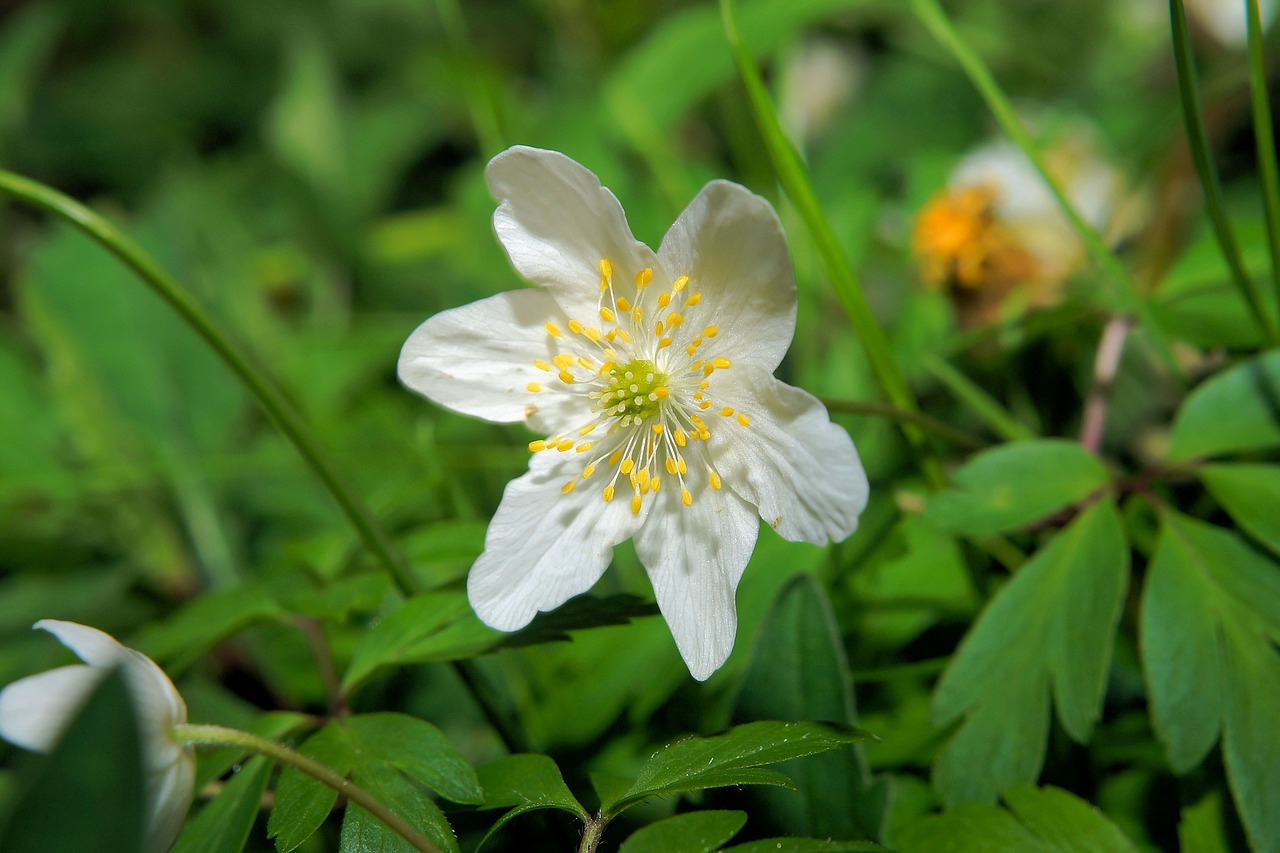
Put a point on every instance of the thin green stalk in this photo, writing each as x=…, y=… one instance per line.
x=1125, y=289
x=1265, y=138
x=979, y=401
x=885, y=410
x=795, y=182
x=273, y=402
x=1202, y=157
x=484, y=115
x=207, y=735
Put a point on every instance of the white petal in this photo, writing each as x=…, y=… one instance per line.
x=730, y=244
x=478, y=359
x=94, y=647
x=544, y=547
x=695, y=556
x=557, y=223
x=791, y=462
x=170, y=790
x=35, y=711
x=159, y=707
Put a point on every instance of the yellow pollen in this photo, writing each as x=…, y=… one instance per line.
x=623, y=304
x=671, y=466
x=643, y=477
x=575, y=327
x=703, y=434
x=654, y=484
x=635, y=505
x=704, y=385
x=614, y=457
x=564, y=360
x=691, y=349
x=608, y=493
x=696, y=366
x=593, y=335
x=553, y=330
x=643, y=277
x=606, y=268
x=681, y=437
x=661, y=391
x=697, y=395
x=722, y=363
x=584, y=447
x=627, y=465
x=564, y=445
x=566, y=377
x=585, y=362
x=694, y=299
x=674, y=320
x=637, y=314
x=743, y=420
x=568, y=487
x=715, y=481
x=685, y=497
x=534, y=387
x=541, y=365
x=588, y=471
x=606, y=315
x=665, y=342
x=664, y=300
x=657, y=429
x=626, y=337
x=611, y=334
x=681, y=466
x=658, y=327
x=710, y=332
x=535, y=446
x=726, y=411
x=680, y=284
x=586, y=429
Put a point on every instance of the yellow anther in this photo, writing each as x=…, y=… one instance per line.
x=535, y=446
x=564, y=445
x=604, y=284
x=626, y=337
x=534, y=387
x=564, y=360
x=541, y=365
x=657, y=429
x=627, y=465
x=681, y=437
x=611, y=334
x=658, y=327
x=588, y=471
x=661, y=391
x=665, y=342
x=674, y=319
x=609, y=354
x=691, y=349
x=568, y=487
x=614, y=457
x=654, y=484
x=710, y=332
x=606, y=268
x=664, y=300
x=726, y=411
x=697, y=395
x=637, y=313
x=575, y=327
x=606, y=315
x=671, y=466
x=705, y=404
x=584, y=447
x=685, y=497
x=694, y=299
x=608, y=493
x=681, y=466
x=635, y=505
x=708, y=370
x=592, y=334
x=643, y=476
x=696, y=366
x=704, y=385
x=715, y=481
x=722, y=363
x=703, y=434
x=552, y=329
x=680, y=284
x=566, y=377
x=623, y=304
x=585, y=362
x=643, y=277
x=743, y=420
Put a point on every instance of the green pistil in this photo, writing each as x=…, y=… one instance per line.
x=635, y=391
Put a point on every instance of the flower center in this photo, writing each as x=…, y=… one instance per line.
x=645, y=378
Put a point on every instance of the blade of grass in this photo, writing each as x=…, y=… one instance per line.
x=1125, y=290
x=273, y=402
x=795, y=182
x=884, y=410
x=1202, y=157
x=979, y=401
x=1265, y=138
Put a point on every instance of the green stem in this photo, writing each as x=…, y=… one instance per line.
x=1125, y=291
x=592, y=833
x=1264, y=137
x=1202, y=157
x=978, y=400
x=795, y=182
x=885, y=410
x=272, y=400
x=208, y=735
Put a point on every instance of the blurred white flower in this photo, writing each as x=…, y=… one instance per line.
x=820, y=77
x=651, y=374
x=1225, y=19
x=35, y=711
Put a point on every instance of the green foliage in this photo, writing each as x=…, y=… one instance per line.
x=1237, y=410
x=695, y=832
x=223, y=826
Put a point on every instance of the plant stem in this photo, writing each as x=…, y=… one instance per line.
x=268, y=395
x=885, y=410
x=1105, y=365
x=1125, y=291
x=1264, y=137
x=791, y=174
x=1202, y=157
x=978, y=400
x=209, y=735
x=592, y=833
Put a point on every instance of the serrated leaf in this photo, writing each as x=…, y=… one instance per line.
x=418, y=749
x=1015, y=484
x=1048, y=820
x=1250, y=494
x=364, y=833
x=1050, y=629
x=692, y=832
x=799, y=672
x=408, y=634
x=1237, y=410
x=223, y=825
x=89, y=792
x=1210, y=619
x=737, y=754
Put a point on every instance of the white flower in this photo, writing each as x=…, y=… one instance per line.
x=1226, y=19
x=35, y=711
x=651, y=376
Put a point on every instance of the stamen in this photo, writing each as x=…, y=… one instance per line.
x=553, y=330
x=674, y=319
x=623, y=304
x=588, y=471
x=664, y=300
x=657, y=429
x=584, y=447
x=564, y=445
x=726, y=411
x=694, y=299
x=722, y=363
x=606, y=268
x=568, y=487
x=643, y=277
x=535, y=446
x=606, y=315
x=710, y=332
x=627, y=465
x=715, y=480
x=564, y=360
x=680, y=284
x=534, y=387
x=608, y=493
x=685, y=497
x=541, y=365
x=575, y=327
x=566, y=377
x=635, y=505
x=743, y=420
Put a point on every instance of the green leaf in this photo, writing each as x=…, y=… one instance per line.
x=1048, y=820
x=364, y=833
x=1050, y=629
x=1250, y=494
x=799, y=672
x=1237, y=410
x=1210, y=619
x=223, y=825
x=526, y=780
x=419, y=750
x=302, y=803
x=1201, y=828
x=732, y=758
x=89, y=792
x=805, y=845
x=1015, y=484
x=306, y=125
x=189, y=634
x=693, y=832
